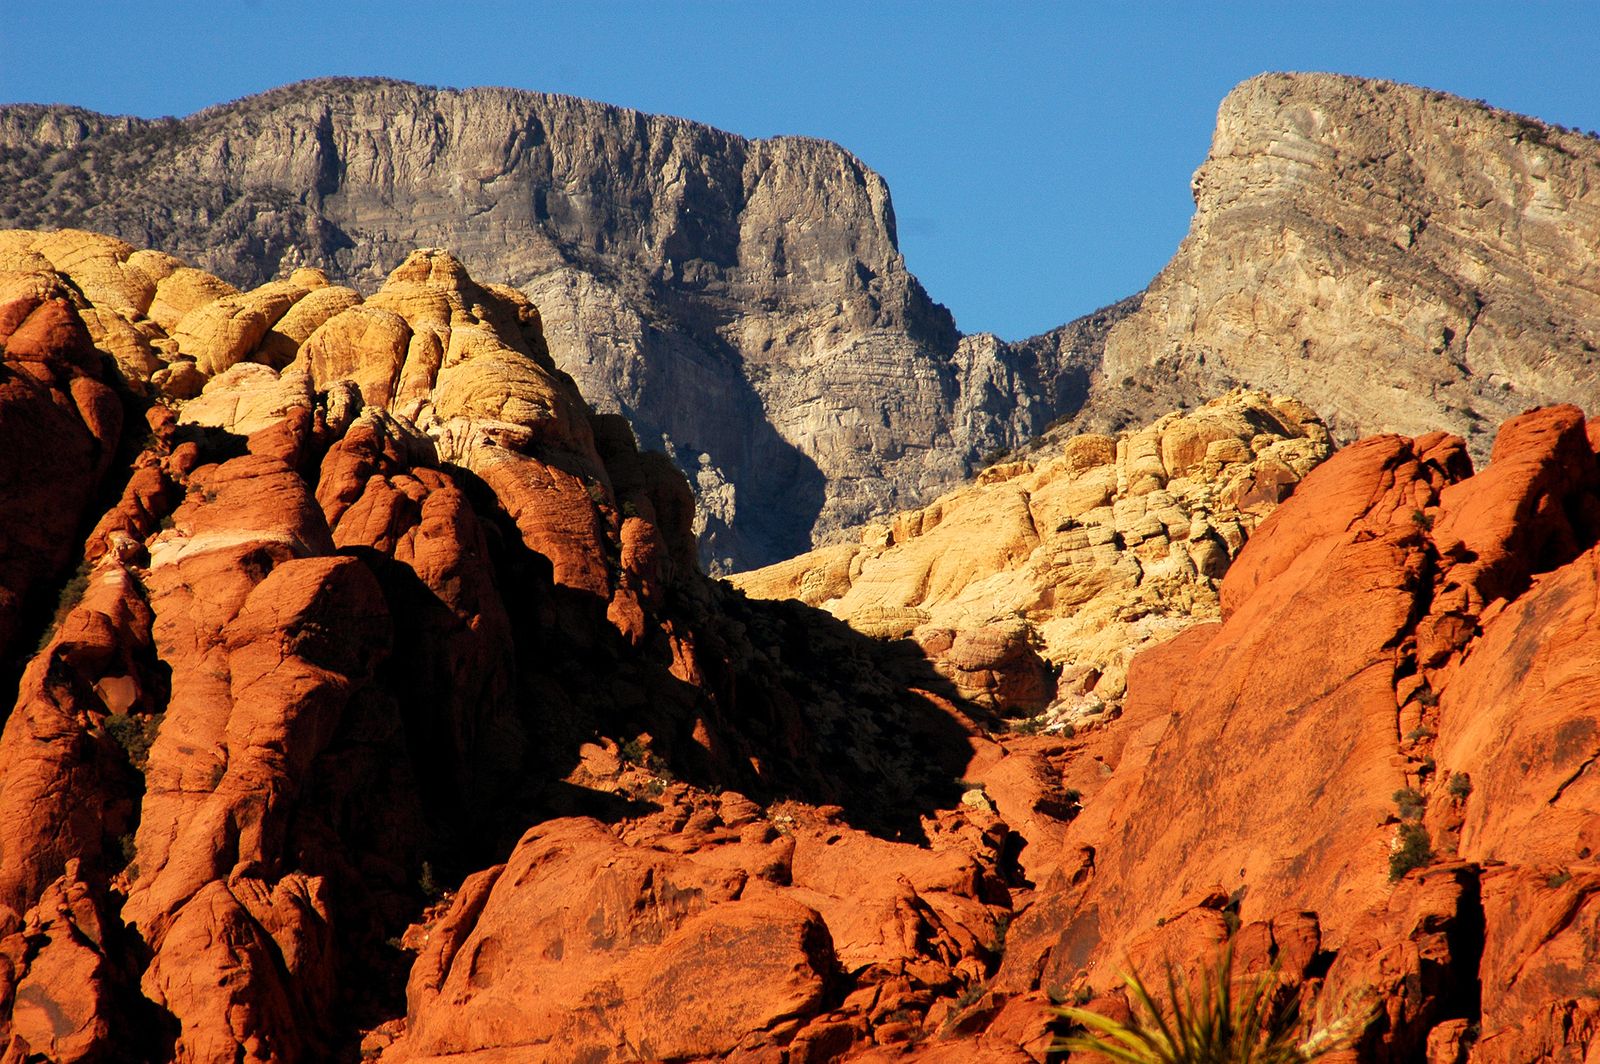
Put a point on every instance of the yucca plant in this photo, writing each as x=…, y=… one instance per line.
x=1224, y=1021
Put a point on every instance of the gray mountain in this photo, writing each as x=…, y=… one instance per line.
x=743, y=302
x=1400, y=259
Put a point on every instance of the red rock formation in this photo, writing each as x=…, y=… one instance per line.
x=405, y=615
x=1398, y=626
x=59, y=427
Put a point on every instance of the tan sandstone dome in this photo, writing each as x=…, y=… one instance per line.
x=1034, y=586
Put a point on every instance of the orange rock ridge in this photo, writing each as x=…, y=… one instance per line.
x=394, y=722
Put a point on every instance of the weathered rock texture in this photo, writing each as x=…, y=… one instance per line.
x=744, y=303
x=1035, y=586
x=381, y=599
x=1405, y=651
x=392, y=720
x=1399, y=259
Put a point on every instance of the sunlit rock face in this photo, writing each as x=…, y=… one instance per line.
x=1399, y=259
x=743, y=303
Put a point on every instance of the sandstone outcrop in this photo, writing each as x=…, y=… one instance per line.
x=60, y=423
x=1375, y=737
x=743, y=302
x=1400, y=259
x=339, y=640
x=1033, y=587
x=393, y=721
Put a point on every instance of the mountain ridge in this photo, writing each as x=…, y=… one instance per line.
x=673, y=262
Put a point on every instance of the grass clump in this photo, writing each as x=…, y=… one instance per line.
x=1223, y=1020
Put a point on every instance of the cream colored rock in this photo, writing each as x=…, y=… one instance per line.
x=1401, y=259
x=1088, y=551
x=183, y=290
x=97, y=264
x=282, y=342
x=365, y=345
x=128, y=342
x=247, y=397
x=222, y=333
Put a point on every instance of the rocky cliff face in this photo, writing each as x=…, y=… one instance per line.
x=742, y=302
x=387, y=717
x=1034, y=587
x=1400, y=259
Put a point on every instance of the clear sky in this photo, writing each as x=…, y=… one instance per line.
x=1039, y=153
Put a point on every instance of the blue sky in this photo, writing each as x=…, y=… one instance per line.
x=1039, y=154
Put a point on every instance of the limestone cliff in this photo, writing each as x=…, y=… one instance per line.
x=743, y=302
x=1400, y=259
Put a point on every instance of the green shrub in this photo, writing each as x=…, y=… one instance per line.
x=1409, y=802
x=1225, y=1020
x=431, y=888
x=1460, y=785
x=1413, y=849
x=135, y=733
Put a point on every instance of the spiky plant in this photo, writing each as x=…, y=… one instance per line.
x=1224, y=1021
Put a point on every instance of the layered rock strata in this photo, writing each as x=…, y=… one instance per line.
x=1400, y=259
x=743, y=303
x=1033, y=587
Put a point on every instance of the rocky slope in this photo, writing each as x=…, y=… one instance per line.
x=388, y=718
x=743, y=303
x=1379, y=765
x=380, y=601
x=1400, y=259
x=1032, y=588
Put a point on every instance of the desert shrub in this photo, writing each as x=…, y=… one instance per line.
x=430, y=886
x=1413, y=849
x=135, y=733
x=1460, y=785
x=1409, y=802
x=71, y=594
x=1223, y=1020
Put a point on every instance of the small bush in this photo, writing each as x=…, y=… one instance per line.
x=1226, y=1018
x=1560, y=879
x=135, y=733
x=1413, y=849
x=1460, y=785
x=970, y=995
x=1410, y=803
x=431, y=888
x=71, y=594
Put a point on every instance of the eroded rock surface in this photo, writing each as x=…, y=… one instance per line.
x=393, y=721
x=1400, y=259
x=743, y=302
x=1341, y=746
x=1035, y=586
